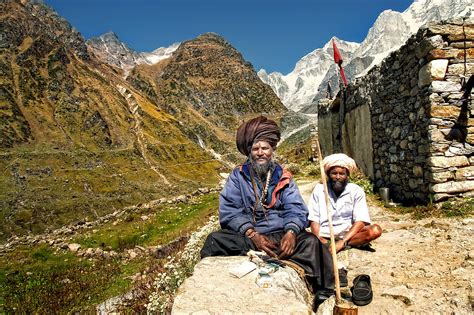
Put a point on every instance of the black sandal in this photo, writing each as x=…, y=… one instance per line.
x=362, y=290
x=320, y=296
x=343, y=278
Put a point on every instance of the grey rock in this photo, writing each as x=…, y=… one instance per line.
x=212, y=289
x=74, y=247
x=401, y=293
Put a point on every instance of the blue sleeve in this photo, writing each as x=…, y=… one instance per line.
x=295, y=212
x=232, y=214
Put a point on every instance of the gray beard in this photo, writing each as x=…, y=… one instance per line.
x=262, y=169
x=338, y=187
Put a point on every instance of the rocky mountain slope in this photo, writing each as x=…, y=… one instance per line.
x=297, y=88
x=301, y=88
x=78, y=141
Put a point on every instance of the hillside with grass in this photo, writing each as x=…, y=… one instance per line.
x=79, y=141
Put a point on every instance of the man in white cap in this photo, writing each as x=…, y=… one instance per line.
x=350, y=214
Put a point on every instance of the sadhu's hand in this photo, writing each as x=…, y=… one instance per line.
x=263, y=243
x=287, y=245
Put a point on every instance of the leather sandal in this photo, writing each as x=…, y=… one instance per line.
x=362, y=290
x=343, y=278
x=320, y=296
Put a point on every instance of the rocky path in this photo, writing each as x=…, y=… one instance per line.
x=419, y=266
x=137, y=130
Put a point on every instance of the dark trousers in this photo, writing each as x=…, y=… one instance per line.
x=309, y=254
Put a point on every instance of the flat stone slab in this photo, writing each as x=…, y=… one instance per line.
x=213, y=290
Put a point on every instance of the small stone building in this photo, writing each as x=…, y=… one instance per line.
x=409, y=123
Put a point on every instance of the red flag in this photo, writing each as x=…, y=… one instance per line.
x=338, y=60
x=337, y=54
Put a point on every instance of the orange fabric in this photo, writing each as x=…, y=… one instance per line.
x=284, y=180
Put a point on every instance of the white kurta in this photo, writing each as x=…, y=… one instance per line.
x=349, y=207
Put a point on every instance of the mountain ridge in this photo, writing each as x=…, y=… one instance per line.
x=390, y=30
x=110, y=49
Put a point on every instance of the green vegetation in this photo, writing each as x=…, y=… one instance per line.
x=305, y=170
x=48, y=189
x=31, y=276
x=364, y=182
x=458, y=207
x=64, y=281
x=297, y=148
x=168, y=223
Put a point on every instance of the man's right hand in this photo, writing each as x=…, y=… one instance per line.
x=262, y=242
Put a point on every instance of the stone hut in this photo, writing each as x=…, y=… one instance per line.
x=409, y=123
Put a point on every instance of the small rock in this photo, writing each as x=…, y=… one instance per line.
x=181, y=198
x=105, y=255
x=401, y=293
x=470, y=255
x=66, y=281
x=204, y=190
x=74, y=247
x=327, y=307
x=132, y=254
x=89, y=252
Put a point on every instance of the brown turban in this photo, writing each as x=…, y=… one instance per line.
x=257, y=129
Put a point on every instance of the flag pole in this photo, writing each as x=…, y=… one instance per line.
x=340, y=307
x=331, y=229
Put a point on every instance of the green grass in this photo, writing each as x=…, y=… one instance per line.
x=53, y=283
x=166, y=223
x=31, y=276
x=50, y=189
x=457, y=207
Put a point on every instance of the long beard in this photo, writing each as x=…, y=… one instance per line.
x=338, y=186
x=261, y=170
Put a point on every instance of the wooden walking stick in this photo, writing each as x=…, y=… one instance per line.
x=341, y=306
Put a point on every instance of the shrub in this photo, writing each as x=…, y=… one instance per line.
x=293, y=168
x=454, y=208
x=364, y=182
x=313, y=170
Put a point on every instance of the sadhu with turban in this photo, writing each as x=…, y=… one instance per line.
x=260, y=208
x=350, y=214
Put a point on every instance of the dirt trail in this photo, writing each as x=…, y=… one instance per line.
x=421, y=266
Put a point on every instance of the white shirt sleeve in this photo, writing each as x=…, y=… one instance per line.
x=314, y=206
x=361, y=211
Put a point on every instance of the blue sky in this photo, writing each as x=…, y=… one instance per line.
x=271, y=34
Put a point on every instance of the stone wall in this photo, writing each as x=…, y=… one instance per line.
x=407, y=123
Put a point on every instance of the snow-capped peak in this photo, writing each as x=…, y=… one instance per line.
x=304, y=84
x=110, y=49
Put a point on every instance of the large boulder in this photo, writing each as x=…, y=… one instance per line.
x=213, y=290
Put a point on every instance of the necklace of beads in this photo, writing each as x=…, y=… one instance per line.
x=265, y=188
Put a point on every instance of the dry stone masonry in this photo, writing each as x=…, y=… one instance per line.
x=409, y=123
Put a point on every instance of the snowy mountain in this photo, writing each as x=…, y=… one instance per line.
x=300, y=89
x=297, y=87
x=110, y=49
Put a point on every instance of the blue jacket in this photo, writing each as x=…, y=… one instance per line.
x=286, y=209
